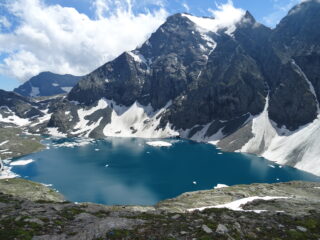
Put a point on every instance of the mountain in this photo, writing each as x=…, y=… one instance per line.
x=47, y=84
x=241, y=86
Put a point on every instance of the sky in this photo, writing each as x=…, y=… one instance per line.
x=77, y=36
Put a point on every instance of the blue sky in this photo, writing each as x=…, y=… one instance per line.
x=76, y=36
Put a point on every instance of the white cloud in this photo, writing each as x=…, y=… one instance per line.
x=4, y=22
x=186, y=7
x=226, y=14
x=62, y=40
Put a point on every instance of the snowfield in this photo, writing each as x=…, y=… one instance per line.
x=281, y=145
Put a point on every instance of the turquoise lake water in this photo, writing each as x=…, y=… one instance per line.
x=128, y=171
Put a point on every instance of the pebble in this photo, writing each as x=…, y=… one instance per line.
x=222, y=229
x=206, y=229
x=35, y=220
x=302, y=229
x=175, y=216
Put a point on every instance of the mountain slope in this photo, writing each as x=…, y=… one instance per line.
x=47, y=84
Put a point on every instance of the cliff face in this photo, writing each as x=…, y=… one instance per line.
x=290, y=211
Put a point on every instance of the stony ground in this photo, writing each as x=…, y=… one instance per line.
x=14, y=143
x=41, y=218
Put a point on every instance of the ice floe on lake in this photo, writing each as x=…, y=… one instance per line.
x=21, y=162
x=159, y=144
x=75, y=143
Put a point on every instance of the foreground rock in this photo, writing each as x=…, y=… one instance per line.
x=23, y=218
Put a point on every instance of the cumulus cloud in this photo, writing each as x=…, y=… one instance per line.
x=62, y=40
x=227, y=15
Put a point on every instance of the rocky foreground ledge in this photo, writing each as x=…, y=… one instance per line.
x=30, y=210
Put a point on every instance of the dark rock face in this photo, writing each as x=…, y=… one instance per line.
x=296, y=43
x=47, y=84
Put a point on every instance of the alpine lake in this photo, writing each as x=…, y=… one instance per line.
x=128, y=171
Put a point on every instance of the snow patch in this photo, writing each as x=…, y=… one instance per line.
x=137, y=57
x=66, y=89
x=41, y=120
x=35, y=91
x=237, y=205
x=7, y=173
x=3, y=143
x=55, y=133
x=220, y=186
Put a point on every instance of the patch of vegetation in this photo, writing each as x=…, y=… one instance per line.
x=121, y=234
x=20, y=229
x=101, y=214
x=70, y=213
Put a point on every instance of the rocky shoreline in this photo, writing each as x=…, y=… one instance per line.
x=32, y=211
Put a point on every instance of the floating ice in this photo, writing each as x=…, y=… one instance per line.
x=159, y=144
x=21, y=162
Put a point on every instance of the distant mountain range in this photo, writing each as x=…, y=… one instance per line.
x=47, y=84
x=243, y=87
